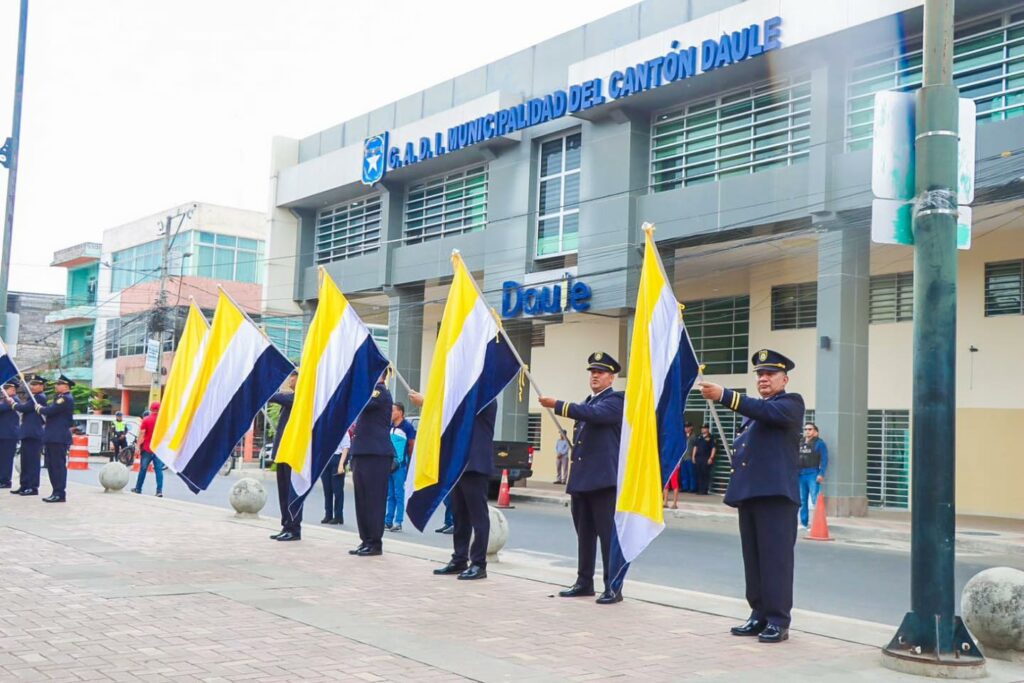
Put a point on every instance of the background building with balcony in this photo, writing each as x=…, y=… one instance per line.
x=114, y=287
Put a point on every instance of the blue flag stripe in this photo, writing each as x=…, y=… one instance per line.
x=7, y=368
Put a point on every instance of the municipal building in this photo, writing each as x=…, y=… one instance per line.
x=744, y=131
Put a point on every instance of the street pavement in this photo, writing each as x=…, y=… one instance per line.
x=115, y=586
x=698, y=551
x=122, y=587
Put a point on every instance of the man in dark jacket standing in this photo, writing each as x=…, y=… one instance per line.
x=9, y=426
x=371, y=456
x=291, y=527
x=593, y=476
x=59, y=417
x=31, y=435
x=764, y=489
x=470, y=513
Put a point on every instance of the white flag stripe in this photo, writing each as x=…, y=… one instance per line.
x=465, y=361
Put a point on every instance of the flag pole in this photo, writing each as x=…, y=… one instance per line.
x=398, y=376
x=522, y=366
x=20, y=375
x=716, y=420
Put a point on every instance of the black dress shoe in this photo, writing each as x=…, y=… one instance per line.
x=752, y=627
x=326, y=520
x=369, y=552
x=29, y=492
x=449, y=530
x=610, y=597
x=5, y=486
x=289, y=536
x=773, y=633
x=337, y=520
x=273, y=537
x=355, y=551
x=452, y=568
x=576, y=591
x=54, y=499
x=16, y=492
x=473, y=573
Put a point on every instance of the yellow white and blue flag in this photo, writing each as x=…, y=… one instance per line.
x=238, y=371
x=662, y=370
x=472, y=364
x=339, y=368
x=187, y=358
x=7, y=367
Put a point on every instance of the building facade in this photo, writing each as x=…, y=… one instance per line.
x=743, y=131
x=111, y=306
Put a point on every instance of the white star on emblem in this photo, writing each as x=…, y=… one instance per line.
x=372, y=162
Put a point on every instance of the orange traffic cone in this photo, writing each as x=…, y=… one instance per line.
x=504, y=500
x=819, y=525
x=78, y=456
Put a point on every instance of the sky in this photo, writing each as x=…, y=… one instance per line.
x=132, y=107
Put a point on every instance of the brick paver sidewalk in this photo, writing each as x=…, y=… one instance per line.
x=120, y=587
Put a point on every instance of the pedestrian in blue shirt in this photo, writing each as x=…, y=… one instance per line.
x=403, y=438
x=813, y=464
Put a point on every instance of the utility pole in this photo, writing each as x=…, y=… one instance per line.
x=9, y=159
x=160, y=315
x=932, y=640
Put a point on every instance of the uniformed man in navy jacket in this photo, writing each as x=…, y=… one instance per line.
x=764, y=488
x=9, y=426
x=469, y=499
x=31, y=436
x=593, y=475
x=371, y=456
x=291, y=527
x=59, y=417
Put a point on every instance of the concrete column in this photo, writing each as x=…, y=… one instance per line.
x=842, y=366
x=126, y=401
x=513, y=414
x=405, y=338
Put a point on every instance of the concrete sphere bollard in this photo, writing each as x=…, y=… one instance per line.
x=993, y=607
x=498, y=537
x=248, y=497
x=113, y=477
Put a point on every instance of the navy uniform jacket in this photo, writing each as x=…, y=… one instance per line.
x=60, y=418
x=595, y=438
x=10, y=425
x=285, y=399
x=373, y=426
x=31, y=421
x=767, y=448
x=481, y=446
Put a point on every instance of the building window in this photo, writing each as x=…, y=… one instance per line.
x=809, y=414
x=538, y=335
x=533, y=427
x=719, y=330
x=795, y=307
x=558, y=196
x=226, y=257
x=348, y=230
x=1004, y=288
x=744, y=132
x=446, y=205
x=132, y=336
x=135, y=265
x=888, y=476
x=112, y=338
x=988, y=66
x=286, y=334
x=891, y=298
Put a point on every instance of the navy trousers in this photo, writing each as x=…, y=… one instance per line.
x=30, y=451
x=593, y=515
x=472, y=518
x=371, y=474
x=57, y=467
x=768, y=536
x=285, y=495
x=7, y=448
x=334, y=489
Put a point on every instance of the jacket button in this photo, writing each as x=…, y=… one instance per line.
x=744, y=464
